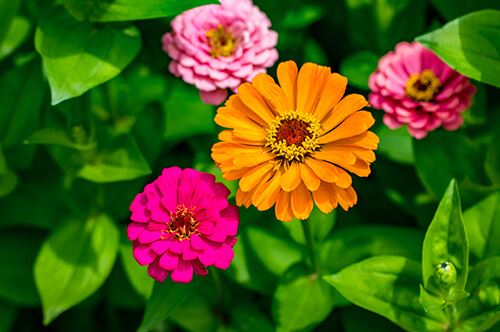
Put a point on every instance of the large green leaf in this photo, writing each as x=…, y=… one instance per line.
x=396, y=144
x=166, y=297
x=482, y=222
x=350, y=245
x=119, y=160
x=482, y=310
x=8, y=314
x=127, y=10
x=445, y=253
x=451, y=9
x=302, y=300
x=78, y=56
x=20, y=114
x=358, y=68
x=18, y=250
x=457, y=156
x=470, y=45
x=74, y=262
x=275, y=252
x=8, y=179
x=8, y=9
x=16, y=35
x=377, y=25
x=388, y=286
x=137, y=275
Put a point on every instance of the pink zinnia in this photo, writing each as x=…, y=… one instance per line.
x=182, y=223
x=414, y=87
x=219, y=47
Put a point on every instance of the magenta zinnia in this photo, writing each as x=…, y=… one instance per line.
x=181, y=224
x=416, y=88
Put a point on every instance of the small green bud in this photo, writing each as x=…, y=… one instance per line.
x=446, y=274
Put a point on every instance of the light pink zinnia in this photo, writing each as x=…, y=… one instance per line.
x=218, y=47
x=182, y=223
x=414, y=87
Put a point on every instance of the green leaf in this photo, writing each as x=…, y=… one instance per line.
x=470, y=45
x=482, y=222
x=16, y=35
x=74, y=262
x=301, y=16
x=18, y=250
x=119, y=160
x=8, y=179
x=137, y=275
x=8, y=10
x=20, y=115
x=79, y=56
x=377, y=25
x=8, y=315
x=482, y=310
x=128, y=10
x=314, y=52
x=186, y=114
x=321, y=226
x=396, y=144
x=457, y=156
x=55, y=136
x=302, y=300
x=355, y=319
x=275, y=252
x=388, y=286
x=358, y=68
x=350, y=245
x=445, y=253
x=247, y=317
x=451, y=9
x=166, y=297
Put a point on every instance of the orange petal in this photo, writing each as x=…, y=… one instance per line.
x=345, y=180
x=235, y=103
x=347, y=106
x=227, y=136
x=251, y=134
x=253, y=158
x=273, y=94
x=334, y=90
x=287, y=77
x=243, y=198
x=360, y=168
x=355, y=124
x=322, y=169
x=335, y=156
x=255, y=176
x=291, y=178
x=254, y=101
x=325, y=197
x=310, y=179
x=347, y=198
x=367, y=140
x=310, y=83
x=266, y=196
x=302, y=203
x=283, y=207
x=231, y=118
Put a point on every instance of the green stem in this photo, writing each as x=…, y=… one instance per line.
x=451, y=310
x=310, y=245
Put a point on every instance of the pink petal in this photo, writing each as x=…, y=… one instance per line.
x=215, y=97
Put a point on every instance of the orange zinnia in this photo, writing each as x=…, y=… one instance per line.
x=292, y=143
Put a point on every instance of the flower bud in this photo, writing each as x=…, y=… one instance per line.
x=446, y=274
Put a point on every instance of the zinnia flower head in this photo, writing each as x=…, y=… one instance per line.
x=182, y=223
x=414, y=87
x=294, y=143
x=217, y=47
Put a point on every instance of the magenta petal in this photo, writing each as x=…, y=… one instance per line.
x=143, y=254
x=148, y=236
x=134, y=229
x=168, y=261
x=159, y=247
x=183, y=272
x=156, y=272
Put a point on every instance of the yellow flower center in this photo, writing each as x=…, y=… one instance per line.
x=422, y=86
x=182, y=224
x=293, y=136
x=222, y=42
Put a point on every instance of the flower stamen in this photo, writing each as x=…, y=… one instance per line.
x=222, y=42
x=182, y=223
x=293, y=136
x=422, y=86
